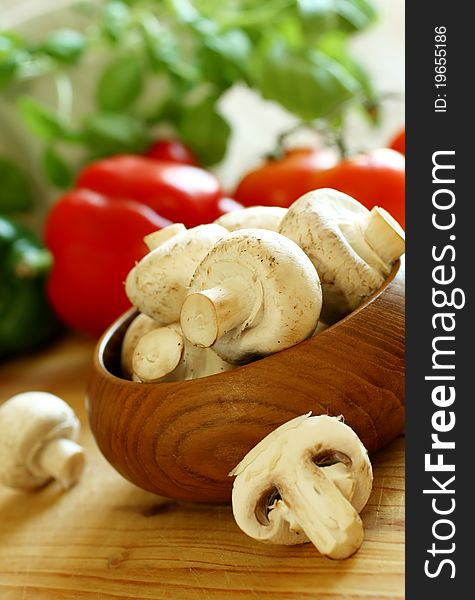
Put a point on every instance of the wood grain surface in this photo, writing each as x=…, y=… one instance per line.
x=107, y=539
x=182, y=439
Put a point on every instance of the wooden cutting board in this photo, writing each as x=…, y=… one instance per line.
x=107, y=539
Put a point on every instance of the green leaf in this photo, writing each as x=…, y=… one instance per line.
x=319, y=16
x=310, y=86
x=120, y=84
x=205, y=131
x=57, y=170
x=41, y=120
x=65, y=45
x=11, y=57
x=15, y=189
x=225, y=57
x=116, y=20
x=115, y=133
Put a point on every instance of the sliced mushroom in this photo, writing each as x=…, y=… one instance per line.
x=352, y=248
x=306, y=481
x=164, y=354
x=254, y=293
x=253, y=217
x=37, y=433
x=157, y=285
x=141, y=325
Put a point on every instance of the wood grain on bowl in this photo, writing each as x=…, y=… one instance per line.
x=181, y=439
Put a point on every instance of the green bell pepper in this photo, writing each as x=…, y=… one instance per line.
x=26, y=318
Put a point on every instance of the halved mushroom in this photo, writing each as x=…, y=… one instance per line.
x=306, y=481
x=254, y=293
x=164, y=354
x=352, y=248
x=157, y=285
x=253, y=217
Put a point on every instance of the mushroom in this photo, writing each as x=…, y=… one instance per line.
x=141, y=325
x=260, y=217
x=352, y=248
x=37, y=433
x=157, y=284
x=157, y=238
x=305, y=481
x=254, y=293
x=165, y=355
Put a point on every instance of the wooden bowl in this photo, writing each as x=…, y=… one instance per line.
x=181, y=439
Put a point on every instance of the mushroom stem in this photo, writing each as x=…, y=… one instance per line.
x=314, y=503
x=157, y=353
x=63, y=459
x=208, y=315
x=385, y=235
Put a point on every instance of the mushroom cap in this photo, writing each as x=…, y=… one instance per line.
x=282, y=282
x=288, y=459
x=157, y=285
x=253, y=217
x=27, y=422
x=329, y=226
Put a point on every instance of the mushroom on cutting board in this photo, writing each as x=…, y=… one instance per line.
x=352, y=248
x=305, y=481
x=253, y=217
x=164, y=354
x=37, y=433
x=157, y=285
x=255, y=293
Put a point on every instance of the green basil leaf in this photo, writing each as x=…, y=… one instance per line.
x=57, y=170
x=16, y=192
x=120, y=84
x=41, y=120
x=319, y=16
x=205, y=131
x=116, y=20
x=11, y=57
x=114, y=133
x=310, y=86
x=65, y=45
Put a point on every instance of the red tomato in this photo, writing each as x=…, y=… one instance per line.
x=180, y=193
x=95, y=241
x=374, y=179
x=398, y=142
x=172, y=151
x=279, y=182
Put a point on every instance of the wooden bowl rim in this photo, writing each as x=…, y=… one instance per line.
x=109, y=333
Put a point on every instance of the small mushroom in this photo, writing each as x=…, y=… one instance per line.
x=141, y=325
x=157, y=285
x=352, y=248
x=306, y=481
x=37, y=433
x=254, y=293
x=164, y=354
x=253, y=217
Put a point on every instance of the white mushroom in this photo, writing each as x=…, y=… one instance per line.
x=37, y=433
x=306, y=481
x=141, y=325
x=157, y=284
x=352, y=248
x=157, y=238
x=165, y=355
x=255, y=293
x=260, y=217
